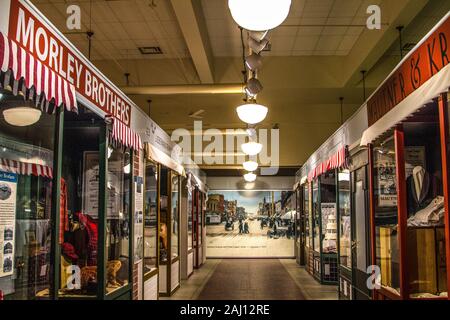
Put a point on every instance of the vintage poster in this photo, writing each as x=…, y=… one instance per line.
x=386, y=177
x=414, y=157
x=91, y=180
x=8, y=197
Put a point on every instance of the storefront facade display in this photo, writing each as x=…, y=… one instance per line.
x=86, y=211
x=409, y=195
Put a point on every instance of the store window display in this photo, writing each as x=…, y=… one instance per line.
x=190, y=193
x=174, y=202
x=344, y=217
x=79, y=223
x=118, y=187
x=328, y=212
x=425, y=237
x=164, y=217
x=26, y=171
x=151, y=218
x=386, y=219
x=306, y=215
x=316, y=216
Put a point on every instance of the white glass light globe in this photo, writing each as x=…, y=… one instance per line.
x=259, y=15
x=22, y=116
x=250, y=177
x=252, y=113
x=251, y=148
x=250, y=165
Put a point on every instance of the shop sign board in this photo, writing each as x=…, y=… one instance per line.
x=8, y=198
x=33, y=33
x=431, y=56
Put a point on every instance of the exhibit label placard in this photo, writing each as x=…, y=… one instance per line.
x=8, y=198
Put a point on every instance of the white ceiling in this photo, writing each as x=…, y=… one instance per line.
x=313, y=27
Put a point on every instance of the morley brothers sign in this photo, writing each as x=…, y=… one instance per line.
x=36, y=36
x=423, y=63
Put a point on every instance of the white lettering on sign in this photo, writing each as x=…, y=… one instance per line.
x=39, y=41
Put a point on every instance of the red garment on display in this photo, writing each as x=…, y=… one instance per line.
x=92, y=231
x=63, y=212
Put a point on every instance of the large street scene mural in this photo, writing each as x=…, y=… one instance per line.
x=250, y=224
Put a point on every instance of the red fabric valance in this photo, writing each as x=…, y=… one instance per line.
x=338, y=160
x=25, y=168
x=124, y=135
x=35, y=74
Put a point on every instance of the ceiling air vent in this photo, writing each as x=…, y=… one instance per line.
x=150, y=50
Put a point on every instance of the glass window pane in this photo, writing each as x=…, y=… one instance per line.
x=387, y=242
x=25, y=202
x=79, y=226
x=425, y=238
x=174, y=201
x=328, y=211
x=163, y=216
x=118, y=185
x=189, y=216
x=150, y=217
x=316, y=216
x=307, y=215
x=344, y=213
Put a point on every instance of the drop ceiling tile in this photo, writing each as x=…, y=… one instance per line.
x=324, y=52
x=305, y=43
x=282, y=43
x=345, y=8
x=329, y=43
x=138, y=30
x=112, y=31
x=283, y=32
x=309, y=31
x=355, y=31
x=314, y=21
x=348, y=42
x=303, y=53
x=342, y=52
x=334, y=31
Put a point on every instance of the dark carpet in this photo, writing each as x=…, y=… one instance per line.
x=250, y=279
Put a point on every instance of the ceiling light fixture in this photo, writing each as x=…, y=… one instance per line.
x=251, y=148
x=22, y=116
x=257, y=46
x=259, y=15
x=253, y=87
x=250, y=165
x=258, y=35
x=250, y=177
x=253, y=62
x=252, y=113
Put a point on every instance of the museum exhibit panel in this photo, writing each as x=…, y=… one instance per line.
x=408, y=146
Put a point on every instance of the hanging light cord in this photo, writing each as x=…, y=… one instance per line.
x=244, y=71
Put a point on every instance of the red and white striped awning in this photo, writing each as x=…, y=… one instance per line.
x=337, y=160
x=124, y=135
x=46, y=83
x=25, y=168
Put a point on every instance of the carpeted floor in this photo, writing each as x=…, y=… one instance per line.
x=250, y=279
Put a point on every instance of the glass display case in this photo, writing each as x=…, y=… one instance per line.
x=386, y=219
x=150, y=219
x=169, y=261
x=344, y=219
x=26, y=167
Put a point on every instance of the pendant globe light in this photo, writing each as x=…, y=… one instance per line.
x=22, y=116
x=259, y=15
x=252, y=113
x=250, y=165
x=250, y=177
x=251, y=148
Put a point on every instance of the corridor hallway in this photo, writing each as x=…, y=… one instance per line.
x=252, y=279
